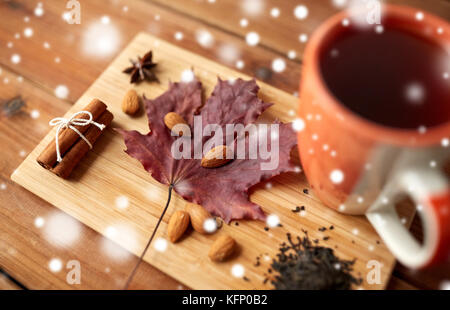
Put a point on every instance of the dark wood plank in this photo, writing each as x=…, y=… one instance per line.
x=399, y=284
x=26, y=249
x=7, y=284
x=80, y=63
x=280, y=33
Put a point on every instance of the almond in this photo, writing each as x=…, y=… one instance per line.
x=222, y=248
x=130, y=103
x=171, y=119
x=178, y=224
x=216, y=157
x=198, y=217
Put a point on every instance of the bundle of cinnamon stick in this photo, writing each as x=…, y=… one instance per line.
x=71, y=146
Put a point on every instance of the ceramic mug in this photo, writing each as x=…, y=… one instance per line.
x=357, y=166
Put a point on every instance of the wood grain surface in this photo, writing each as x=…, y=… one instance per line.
x=25, y=250
x=107, y=174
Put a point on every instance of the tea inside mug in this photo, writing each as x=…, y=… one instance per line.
x=389, y=76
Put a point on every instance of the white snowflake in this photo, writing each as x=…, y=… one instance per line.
x=122, y=202
x=275, y=12
x=228, y=53
x=210, y=225
x=39, y=11
x=243, y=22
x=278, y=65
x=303, y=38
x=61, y=91
x=100, y=40
x=334, y=53
x=273, y=220
x=252, y=38
x=445, y=285
x=204, y=38
x=252, y=7
x=240, y=64
x=415, y=92
x=61, y=229
x=187, y=76
x=178, y=36
x=292, y=54
x=379, y=29
x=39, y=222
x=15, y=58
x=123, y=234
x=337, y=176
x=28, y=32
x=419, y=16
x=55, y=265
x=422, y=129
x=298, y=124
x=238, y=270
x=301, y=12
x=105, y=20
x=160, y=244
x=339, y=3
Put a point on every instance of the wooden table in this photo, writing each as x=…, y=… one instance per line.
x=50, y=63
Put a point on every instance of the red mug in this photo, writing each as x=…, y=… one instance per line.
x=358, y=166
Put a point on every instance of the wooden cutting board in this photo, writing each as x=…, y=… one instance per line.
x=107, y=175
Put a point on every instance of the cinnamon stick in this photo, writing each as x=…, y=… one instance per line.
x=69, y=137
x=80, y=148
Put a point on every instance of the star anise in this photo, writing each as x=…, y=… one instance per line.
x=142, y=69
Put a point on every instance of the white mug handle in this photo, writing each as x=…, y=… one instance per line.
x=430, y=191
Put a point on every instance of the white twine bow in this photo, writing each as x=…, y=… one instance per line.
x=62, y=123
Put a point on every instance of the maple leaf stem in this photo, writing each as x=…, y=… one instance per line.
x=127, y=284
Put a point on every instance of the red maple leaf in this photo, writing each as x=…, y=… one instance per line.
x=222, y=191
